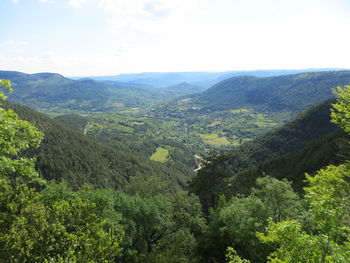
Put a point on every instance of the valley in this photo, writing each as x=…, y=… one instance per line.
x=145, y=118
x=175, y=159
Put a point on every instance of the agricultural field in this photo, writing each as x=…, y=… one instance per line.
x=161, y=155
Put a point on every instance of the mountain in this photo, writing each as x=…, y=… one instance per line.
x=55, y=93
x=48, y=90
x=287, y=92
x=235, y=172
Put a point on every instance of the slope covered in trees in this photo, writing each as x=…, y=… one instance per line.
x=236, y=171
x=271, y=223
x=78, y=159
x=287, y=92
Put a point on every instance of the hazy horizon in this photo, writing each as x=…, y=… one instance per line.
x=112, y=37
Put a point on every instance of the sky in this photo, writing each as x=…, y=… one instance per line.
x=110, y=37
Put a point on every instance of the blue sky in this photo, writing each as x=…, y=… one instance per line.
x=109, y=37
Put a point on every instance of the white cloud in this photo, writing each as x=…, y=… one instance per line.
x=14, y=1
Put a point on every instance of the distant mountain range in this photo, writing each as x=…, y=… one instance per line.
x=201, y=79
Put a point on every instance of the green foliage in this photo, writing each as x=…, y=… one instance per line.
x=341, y=109
x=160, y=226
x=280, y=200
x=232, y=257
x=147, y=186
x=233, y=223
x=327, y=197
x=31, y=231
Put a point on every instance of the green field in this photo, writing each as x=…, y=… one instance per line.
x=161, y=155
x=239, y=111
x=221, y=141
x=209, y=136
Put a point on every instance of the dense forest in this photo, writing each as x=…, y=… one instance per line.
x=253, y=169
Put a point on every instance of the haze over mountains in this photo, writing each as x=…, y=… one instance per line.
x=202, y=79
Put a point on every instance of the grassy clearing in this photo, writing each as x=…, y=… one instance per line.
x=209, y=136
x=236, y=111
x=221, y=141
x=161, y=155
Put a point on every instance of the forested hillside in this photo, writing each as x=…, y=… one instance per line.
x=235, y=171
x=288, y=92
x=69, y=155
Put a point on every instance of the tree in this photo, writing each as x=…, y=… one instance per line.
x=234, y=223
x=341, y=110
x=327, y=197
x=278, y=196
x=232, y=257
